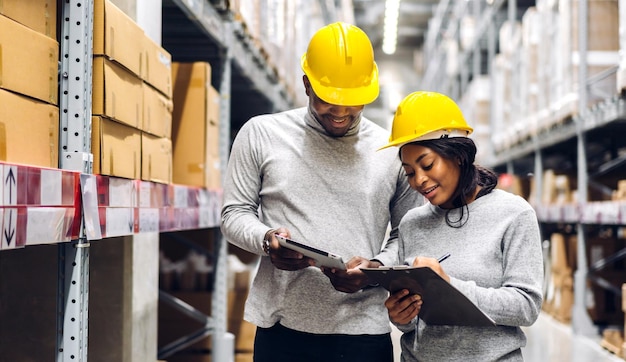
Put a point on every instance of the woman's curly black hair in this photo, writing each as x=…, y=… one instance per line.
x=463, y=150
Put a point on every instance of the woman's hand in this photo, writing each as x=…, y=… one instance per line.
x=402, y=307
x=433, y=264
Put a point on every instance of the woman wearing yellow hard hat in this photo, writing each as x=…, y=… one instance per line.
x=310, y=174
x=492, y=238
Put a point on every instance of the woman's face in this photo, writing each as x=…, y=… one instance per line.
x=430, y=174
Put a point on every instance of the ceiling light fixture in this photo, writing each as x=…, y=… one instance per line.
x=390, y=30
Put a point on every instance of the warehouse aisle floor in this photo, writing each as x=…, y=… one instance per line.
x=550, y=341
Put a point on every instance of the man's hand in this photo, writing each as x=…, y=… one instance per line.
x=402, y=307
x=353, y=279
x=287, y=259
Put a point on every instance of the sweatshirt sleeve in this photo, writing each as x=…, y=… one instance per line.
x=518, y=301
x=240, y=211
x=404, y=200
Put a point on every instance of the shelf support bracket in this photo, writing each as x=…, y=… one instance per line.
x=75, y=154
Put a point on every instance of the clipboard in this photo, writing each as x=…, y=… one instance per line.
x=442, y=304
x=322, y=257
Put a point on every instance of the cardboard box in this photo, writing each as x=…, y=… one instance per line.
x=117, y=93
x=156, y=158
x=244, y=340
x=157, y=112
x=116, y=148
x=28, y=61
x=39, y=15
x=29, y=131
x=195, y=126
x=213, y=172
x=117, y=36
x=157, y=70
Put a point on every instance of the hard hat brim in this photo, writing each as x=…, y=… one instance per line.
x=435, y=135
x=357, y=96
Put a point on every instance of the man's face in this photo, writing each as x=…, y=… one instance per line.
x=335, y=119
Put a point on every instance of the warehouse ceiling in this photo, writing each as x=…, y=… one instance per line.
x=413, y=19
x=398, y=75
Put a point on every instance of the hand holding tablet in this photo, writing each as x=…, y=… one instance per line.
x=322, y=258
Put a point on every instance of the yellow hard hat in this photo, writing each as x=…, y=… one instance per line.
x=339, y=63
x=426, y=116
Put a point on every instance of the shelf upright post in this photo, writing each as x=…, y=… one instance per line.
x=222, y=341
x=581, y=322
x=75, y=154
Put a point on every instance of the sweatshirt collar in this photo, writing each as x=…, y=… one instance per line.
x=311, y=121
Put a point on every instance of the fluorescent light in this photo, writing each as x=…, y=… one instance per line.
x=390, y=30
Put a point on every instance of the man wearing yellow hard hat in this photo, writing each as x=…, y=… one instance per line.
x=492, y=238
x=312, y=174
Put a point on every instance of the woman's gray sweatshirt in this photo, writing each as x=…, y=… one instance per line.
x=496, y=261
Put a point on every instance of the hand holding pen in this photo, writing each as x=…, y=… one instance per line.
x=443, y=257
x=432, y=263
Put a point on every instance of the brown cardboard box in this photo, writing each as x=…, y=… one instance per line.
x=213, y=112
x=117, y=36
x=156, y=158
x=244, y=340
x=157, y=112
x=29, y=131
x=116, y=148
x=117, y=93
x=214, y=174
x=28, y=61
x=39, y=15
x=195, y=125
x=157, y=68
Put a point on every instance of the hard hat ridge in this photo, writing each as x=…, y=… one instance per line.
x=339, y=63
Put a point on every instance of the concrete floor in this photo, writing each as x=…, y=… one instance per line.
x=550, y=341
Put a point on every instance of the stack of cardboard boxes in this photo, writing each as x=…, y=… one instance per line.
x=133, y=134
x=195, y=128
x=152, y=119
x=559, y=297
x=29, y=113
x=131, y=99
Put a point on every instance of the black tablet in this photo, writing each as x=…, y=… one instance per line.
x=322, y=258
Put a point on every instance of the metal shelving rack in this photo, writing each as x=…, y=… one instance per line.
x=241, y=71
x=74, y=154
x=195, y=30
x=604, y=118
